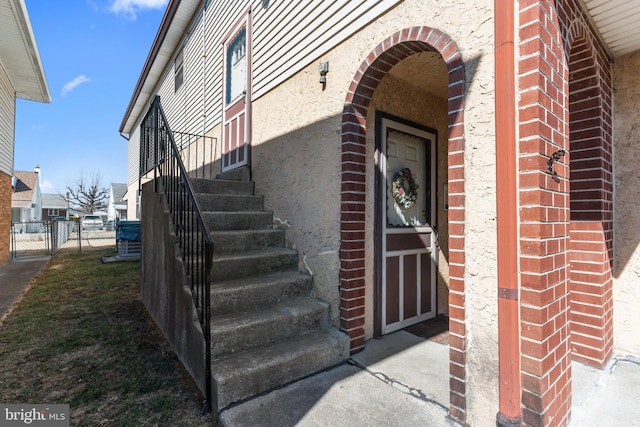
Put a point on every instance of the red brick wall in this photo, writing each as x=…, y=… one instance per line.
x=554, y=39
x=5, y=216
x=591, y=234
x=352, y=225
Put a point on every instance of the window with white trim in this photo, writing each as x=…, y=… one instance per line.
x=178, y=70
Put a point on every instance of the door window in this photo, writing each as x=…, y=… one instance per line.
x=237, y=66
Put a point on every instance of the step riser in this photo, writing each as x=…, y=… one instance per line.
x=239, y=174
x=238, y=220
x=293, y=364
x=272, y=328
x=229, y=269
x=229, y=203
x=248, y=240
x=228, y=300
x=217, y=186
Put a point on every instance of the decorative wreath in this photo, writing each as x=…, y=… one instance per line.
x=405, y=189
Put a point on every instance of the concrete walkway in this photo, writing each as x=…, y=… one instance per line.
x=15, y=277
x=606, y=397
x=400, y=380
x=403, y=380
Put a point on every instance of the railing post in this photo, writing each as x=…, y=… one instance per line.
x=13, y=241
x=53, y=238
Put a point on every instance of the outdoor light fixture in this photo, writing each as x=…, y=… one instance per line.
x=324, y=69
x=555, y=157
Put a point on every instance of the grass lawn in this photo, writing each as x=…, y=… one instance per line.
x=82, y=337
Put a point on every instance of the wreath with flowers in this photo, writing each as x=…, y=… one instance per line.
x=404, y=189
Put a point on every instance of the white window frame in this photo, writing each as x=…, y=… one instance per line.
x=178, y=70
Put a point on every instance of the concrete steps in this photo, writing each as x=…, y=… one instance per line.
x=221, y=186
x=230, y=241
x=237, y=377
x=242, y=220
x=247, y=264
x=242, y=330
x=229, y=202
x=266, y=328
x=259, y=291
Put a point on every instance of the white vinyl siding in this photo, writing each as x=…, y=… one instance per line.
x=290, y=35
x=286, y=36
x=7, y=123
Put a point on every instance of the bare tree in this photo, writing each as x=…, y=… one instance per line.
x=87, y=194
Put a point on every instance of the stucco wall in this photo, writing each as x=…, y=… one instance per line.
x=626, y=288
x=296, y=166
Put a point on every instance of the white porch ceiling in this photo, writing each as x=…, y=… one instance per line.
x=618, y=22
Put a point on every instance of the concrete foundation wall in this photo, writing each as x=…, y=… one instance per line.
x=163, y=286
x=626, y=270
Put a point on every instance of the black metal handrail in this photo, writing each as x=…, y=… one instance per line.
x=160, y=154
x=197, y=153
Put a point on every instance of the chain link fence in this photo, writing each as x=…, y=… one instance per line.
x=41, y=238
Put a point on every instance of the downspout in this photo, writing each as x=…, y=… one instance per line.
x=507, y=213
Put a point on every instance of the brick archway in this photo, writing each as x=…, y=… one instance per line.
x=554, y=37
x=591, y=204
x=353, y=192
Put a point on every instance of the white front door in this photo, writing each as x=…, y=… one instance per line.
x=409, y=245
x=236, y=137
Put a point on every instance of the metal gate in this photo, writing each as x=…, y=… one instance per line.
x=40, y=238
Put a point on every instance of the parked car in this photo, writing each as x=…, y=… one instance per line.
x=92, y=222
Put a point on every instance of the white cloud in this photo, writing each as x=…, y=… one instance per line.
x=132, y=7
x=68, y=87
x=47, y=187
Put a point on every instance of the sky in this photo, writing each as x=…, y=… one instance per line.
x=92, y=53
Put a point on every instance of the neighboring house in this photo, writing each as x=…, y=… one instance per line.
x=117, y=208
x=54, y=205
x=26, y=200
x=520, y=230
x=21, y=76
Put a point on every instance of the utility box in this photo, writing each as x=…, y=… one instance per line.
x=128, y=238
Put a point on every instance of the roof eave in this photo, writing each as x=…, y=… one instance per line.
x=41, y=94
x=145, y=83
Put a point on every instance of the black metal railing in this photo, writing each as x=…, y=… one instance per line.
x=197, y=153
x=160, y=154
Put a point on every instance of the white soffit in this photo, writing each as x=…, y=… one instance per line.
x=618, y=22
x=19, y=53
x=164, y=46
